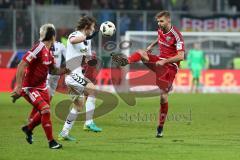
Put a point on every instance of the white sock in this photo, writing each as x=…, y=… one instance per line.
x=90, y=106
x=72, y=116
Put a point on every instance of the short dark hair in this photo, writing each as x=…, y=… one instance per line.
x=163, y=14
x=85, y=21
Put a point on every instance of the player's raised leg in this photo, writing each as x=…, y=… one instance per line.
x=134, y=57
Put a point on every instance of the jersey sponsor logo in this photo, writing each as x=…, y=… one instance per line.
x=47, y=62
x=165, y=44
x=83, y=50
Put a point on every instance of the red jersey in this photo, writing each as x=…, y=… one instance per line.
x=170, y=42
x=39, y=58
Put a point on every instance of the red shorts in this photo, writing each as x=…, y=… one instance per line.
x=38, y=98
x=164, y=74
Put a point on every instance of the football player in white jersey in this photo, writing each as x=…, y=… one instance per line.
x=59, y=52
x=80, y=87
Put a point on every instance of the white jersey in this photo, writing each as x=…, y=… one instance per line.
x=76, y=51
x=52, y=80
x=59, y=52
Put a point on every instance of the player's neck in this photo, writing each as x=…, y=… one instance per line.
x=169, y=27
x=83, y=32
x=48, y=44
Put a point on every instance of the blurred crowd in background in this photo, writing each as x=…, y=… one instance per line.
x=180, y=5
x=126, y=14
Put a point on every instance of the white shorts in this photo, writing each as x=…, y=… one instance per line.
x=52, y=83
x=77, y=83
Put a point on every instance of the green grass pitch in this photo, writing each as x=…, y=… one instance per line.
x=199, y=126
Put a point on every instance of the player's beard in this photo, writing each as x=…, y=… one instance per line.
x=163, y=28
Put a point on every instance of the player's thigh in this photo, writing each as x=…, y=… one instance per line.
x=151, y=63
x=90, y=89
x=76, y=83
x=37, y=99
x=165, y=78
x=52, y=83
x=144, y=55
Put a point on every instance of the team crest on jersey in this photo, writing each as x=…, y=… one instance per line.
x=168, y=38
x=83, y=50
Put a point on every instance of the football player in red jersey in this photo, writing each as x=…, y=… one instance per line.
x=165, y=65
x=31, y=78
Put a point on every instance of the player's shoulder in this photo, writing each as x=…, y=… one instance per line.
x=37, y=47
x=75, y=33
x=175, y=30
x=176, y=33
x=38, y=44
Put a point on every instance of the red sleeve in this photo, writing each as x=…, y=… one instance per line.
x=31, y=55
x=180, y=44
x=179, y=40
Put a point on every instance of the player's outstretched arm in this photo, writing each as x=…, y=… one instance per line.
x=77, y=39
x=19, y=79
x=177, y=58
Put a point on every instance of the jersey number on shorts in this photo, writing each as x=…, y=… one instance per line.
x=33, y=95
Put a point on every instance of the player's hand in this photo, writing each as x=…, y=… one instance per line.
x=67, y=71
x=16, y=94
x=161, y=62
x=92, y=62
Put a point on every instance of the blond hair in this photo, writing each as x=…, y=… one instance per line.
x=44, y=29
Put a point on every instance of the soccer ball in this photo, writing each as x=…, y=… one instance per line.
x=107, y=29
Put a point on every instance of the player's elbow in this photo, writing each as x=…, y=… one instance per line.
x=181, y=56
x=72, y=41
x=22, y=65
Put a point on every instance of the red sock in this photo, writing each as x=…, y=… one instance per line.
x=163, y=114
x=34, y=121
x=135, y=57
x=47, y=125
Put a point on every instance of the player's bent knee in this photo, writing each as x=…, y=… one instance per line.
x=91, y=89
x=164, y=98
x=45, y=109
x=79, y=103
